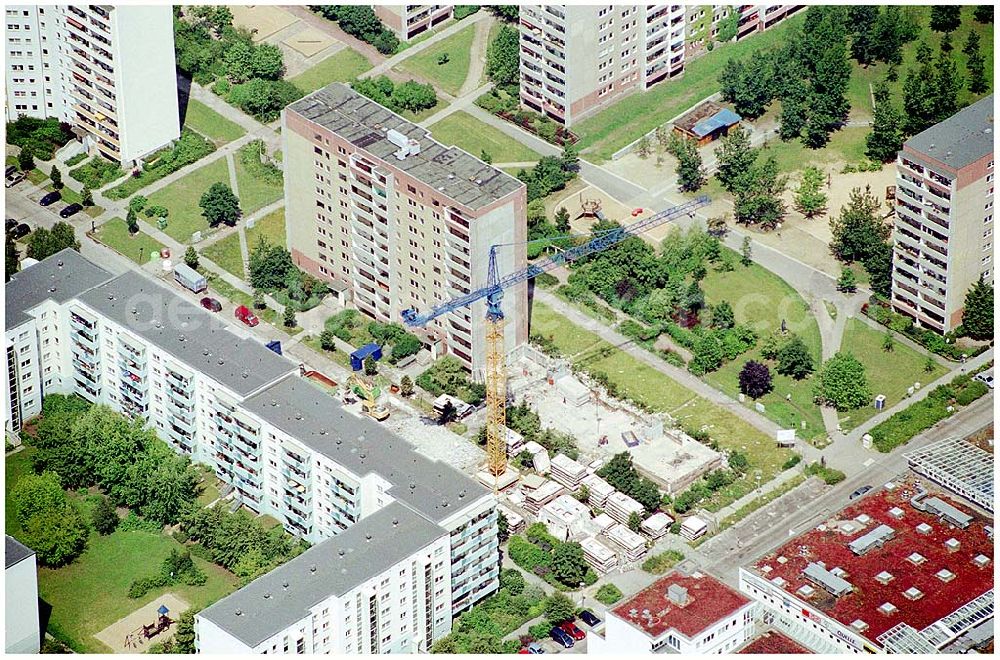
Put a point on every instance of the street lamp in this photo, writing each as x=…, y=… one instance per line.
x=583, y=596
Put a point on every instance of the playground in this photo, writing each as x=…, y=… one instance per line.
x=150, y=624
x=588, y=204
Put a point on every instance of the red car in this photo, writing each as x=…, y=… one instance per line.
x=244, y=314
x=572, y=630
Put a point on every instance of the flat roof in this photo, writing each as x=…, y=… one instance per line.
x=831, y=546
x=363, y=446
x=15, y=551
x=364, y=123
x=960, y=140
x=709, y=601
x=64, y=275
x=773, y=642
x=187, y=333
x=333, y=567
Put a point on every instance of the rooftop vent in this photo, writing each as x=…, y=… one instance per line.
x=368, y=536
x=945, y=575
x=980, y=560
x=267, y=595
x=239, y=612
x=395, y=522
x=677, y=594
x=913, y=593
x=952, y=544
x=859, y=625
x=885, y=577
x=181, y=337
x=284, y=584
x=341, y=552
x=916, y=558
x=887, y=608
x=924, y=528
x=312, y=569
x=59, y=263
x=52, y=289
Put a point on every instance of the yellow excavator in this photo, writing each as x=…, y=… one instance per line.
x=369, y=391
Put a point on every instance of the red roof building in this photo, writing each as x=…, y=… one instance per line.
x=891, y=571
x=772, y=643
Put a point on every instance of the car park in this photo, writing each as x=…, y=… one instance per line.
x=561, y=637
x=20, y=231
x=859, y=492
x=211, y=304
x=50, y=198
x=572, y=630
x=71, y=209
x=589, y=618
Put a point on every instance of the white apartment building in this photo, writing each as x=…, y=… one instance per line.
x=943, y=229
x=408, y=21
x=403, y=221
x=21, y=623
x=287, y=448
x=107, y=70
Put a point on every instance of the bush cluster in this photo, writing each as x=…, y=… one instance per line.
x=97, y=172
x=189, y=148
x=409, y=95
x=177, y=568
x=39, y=137
x=448, y=376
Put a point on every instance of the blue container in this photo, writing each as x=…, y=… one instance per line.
x=274, y=346
x=358, y=357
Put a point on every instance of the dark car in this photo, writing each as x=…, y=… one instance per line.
x=211, y=304
x=11, y=223
x=72, y=209
x=572, y=630
x=20, y=231
x=859, y=492
x=51, y=198
x=10, y=170
x=589, y=618
x=561, y=638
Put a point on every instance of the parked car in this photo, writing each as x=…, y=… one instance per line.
x=562, y=638
x=572, y=630
x=589, y=618
x=20, y=231
x=10, y=170
x=11, y=223
x=986, y=378
x=859, y=492
x=535, y=648
x=51, y=198
x=15, y=178
x=211, y=304
x=244, y=314
x=72, y=209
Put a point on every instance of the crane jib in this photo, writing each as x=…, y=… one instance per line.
x=493, y=292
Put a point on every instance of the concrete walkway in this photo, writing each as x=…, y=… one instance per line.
x=477, y=54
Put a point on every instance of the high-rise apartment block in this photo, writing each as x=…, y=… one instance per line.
x=107, y=70
x=408, y=21
x=403, y=543
x=943, y=230
x=376, y=204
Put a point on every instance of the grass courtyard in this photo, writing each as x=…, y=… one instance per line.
x=271, y=227
x=451, y=75
x=226, y=254
x=343, y=66
x=114, y=234
x=254, y=192
x=466, y=132
x=888, y=372
x=211, y=124
x=182, y=196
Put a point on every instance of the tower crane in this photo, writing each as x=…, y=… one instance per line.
x=496, y=376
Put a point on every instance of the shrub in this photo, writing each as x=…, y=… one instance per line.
x=663, y=562
x=97, y=172
x=829, y=475
x=76, y=160
x=608, y=594
x=794, y=460
x=190, y=147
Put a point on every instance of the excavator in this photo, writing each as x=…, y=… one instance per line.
x=369, y=391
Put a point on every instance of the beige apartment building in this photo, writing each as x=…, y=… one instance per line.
x=943, y=232
x=409, y=21
x=376, y=205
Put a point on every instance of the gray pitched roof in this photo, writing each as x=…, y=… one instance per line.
x=365, y=124
x=960, y=140
x=60, y=277
x=188, y=333
x=16, y=551
x=364, y=446
x=333, y=567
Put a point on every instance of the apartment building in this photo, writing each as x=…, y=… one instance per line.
x=376, y=204
x=943, y=227
x=22, y=624
x=408, y=21
x=757, y=18
x=106, y=70
x=285, y=447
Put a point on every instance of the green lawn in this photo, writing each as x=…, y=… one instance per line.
x=255, y=193
x=762, y=299
x=463, y=130
x=449, y=76
x=661, y=393
x=226, y=254
x=343, y=66
x=181, y=198
x=114, y=234
x=888, y=372
x=211, y=124
x=847, y=145
x=271, y=227
x=91, y=593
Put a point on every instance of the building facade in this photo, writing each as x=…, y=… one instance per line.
x=106, y=70
x=22, y=632
x=408, y=21
x=405, y=222
x=943, y=229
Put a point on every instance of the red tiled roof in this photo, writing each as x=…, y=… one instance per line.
x=773, y=642
x=709, y=601
x=939, y=598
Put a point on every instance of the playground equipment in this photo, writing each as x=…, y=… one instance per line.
x=369, y=392
x=590, y=208
x=146, y=632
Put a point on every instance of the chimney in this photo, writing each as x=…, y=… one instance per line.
x=677, y=595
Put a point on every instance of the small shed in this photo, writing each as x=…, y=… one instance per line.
x=358, y=357
x=707, y=122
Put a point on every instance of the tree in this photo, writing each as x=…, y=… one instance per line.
x=406, y=386
x=503, y=527
x=946, y=18
x=749, y=84
x=413, y=96
x=44, y=242
x=929, y=364
x=643, y=148
x=888, y=343
x=842, y=383
x=132, y=222
x=722, y=316
x=559, y=607
x=50, y=524
x=690, y=173
x=708, y=354
x=859, y=227
x=755, y=379
x=220, y=205
x=105, y=518
x=809, y=197
x=635, y=521
x=562, y=220
x=156, y=211
x=568, y=564
x=184, y=635
x=56, y=177
x=238, y=62
x=794, y=359
x=728, y=26
x=975, y=65
x=447, y=414
x=569, y=160
x=735, y=157
x=759, y=202
x=191, y=257
x=944, y=87
x=847, y=282
x=977, y=317
x=270, y=266
x=25, y=161
x=891, y=33
x=946, y=46
x=86, y=196
x=983, y=14
x=512, y=580
x=878, y=265
x=535, y=213
x=266, y=62
x=503, y=57
x=260, y=303
x=288, y=317
x=13, y=258
x=864, y=37
x=485, y=157
x=886, y=138
x=370, y=366
x=746, y=252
